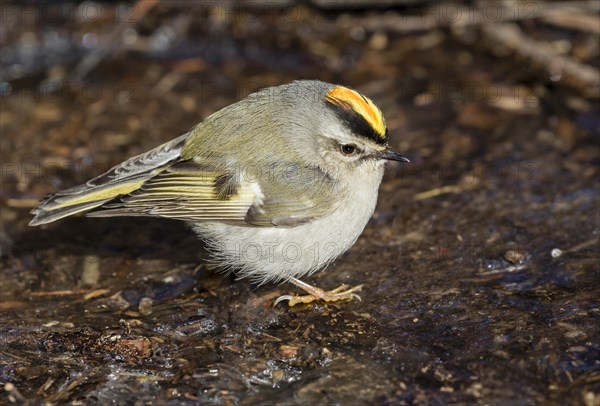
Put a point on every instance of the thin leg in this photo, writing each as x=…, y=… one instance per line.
x=343, y=292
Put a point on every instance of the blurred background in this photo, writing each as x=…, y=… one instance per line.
x=481, y=264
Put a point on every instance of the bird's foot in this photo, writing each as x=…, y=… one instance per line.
x=344, y=292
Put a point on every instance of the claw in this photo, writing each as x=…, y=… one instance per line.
x=281, y=299
x=344, y=292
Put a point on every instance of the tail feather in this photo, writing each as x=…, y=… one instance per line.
x=76, y=200
x=48, y=215
x=118, y=181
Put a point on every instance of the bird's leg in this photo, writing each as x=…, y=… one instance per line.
x=343, y=292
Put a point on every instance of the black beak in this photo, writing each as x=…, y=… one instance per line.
x=393, y=156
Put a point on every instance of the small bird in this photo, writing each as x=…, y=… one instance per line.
x=278, y=184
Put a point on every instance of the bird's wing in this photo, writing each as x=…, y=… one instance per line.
x=186, y=191
x=294, y=195
x=198, y=192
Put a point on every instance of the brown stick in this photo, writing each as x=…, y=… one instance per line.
x=561, y=67
x=574, y=15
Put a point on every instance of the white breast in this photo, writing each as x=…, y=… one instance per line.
x=273, y=253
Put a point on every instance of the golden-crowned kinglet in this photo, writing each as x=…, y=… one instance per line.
x=278, y=185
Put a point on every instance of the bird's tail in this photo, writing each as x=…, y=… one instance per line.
x=79, y=199
x=118, y=181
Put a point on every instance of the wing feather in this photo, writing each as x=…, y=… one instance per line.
x=185, y=192
x=301, y=195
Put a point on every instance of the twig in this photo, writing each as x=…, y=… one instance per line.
x=443, y=190
x=91, y=60
x=448, y=14
x=585, y=77
x=585, y=244
x=359, y=4
x=57, y=293
x=13, y=392
x=573, y=19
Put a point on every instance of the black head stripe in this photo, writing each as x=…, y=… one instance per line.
x=357, y=123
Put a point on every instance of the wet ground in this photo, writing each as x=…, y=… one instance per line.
x=481, y=264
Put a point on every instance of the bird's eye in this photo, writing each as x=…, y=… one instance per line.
x=348, y=149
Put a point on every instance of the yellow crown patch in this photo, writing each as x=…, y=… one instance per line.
x=349, y=99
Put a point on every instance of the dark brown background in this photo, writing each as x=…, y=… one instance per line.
x=496, y=104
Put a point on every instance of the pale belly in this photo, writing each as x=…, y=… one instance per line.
x=274, y=253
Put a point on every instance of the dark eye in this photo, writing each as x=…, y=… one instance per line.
x=348, y=149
